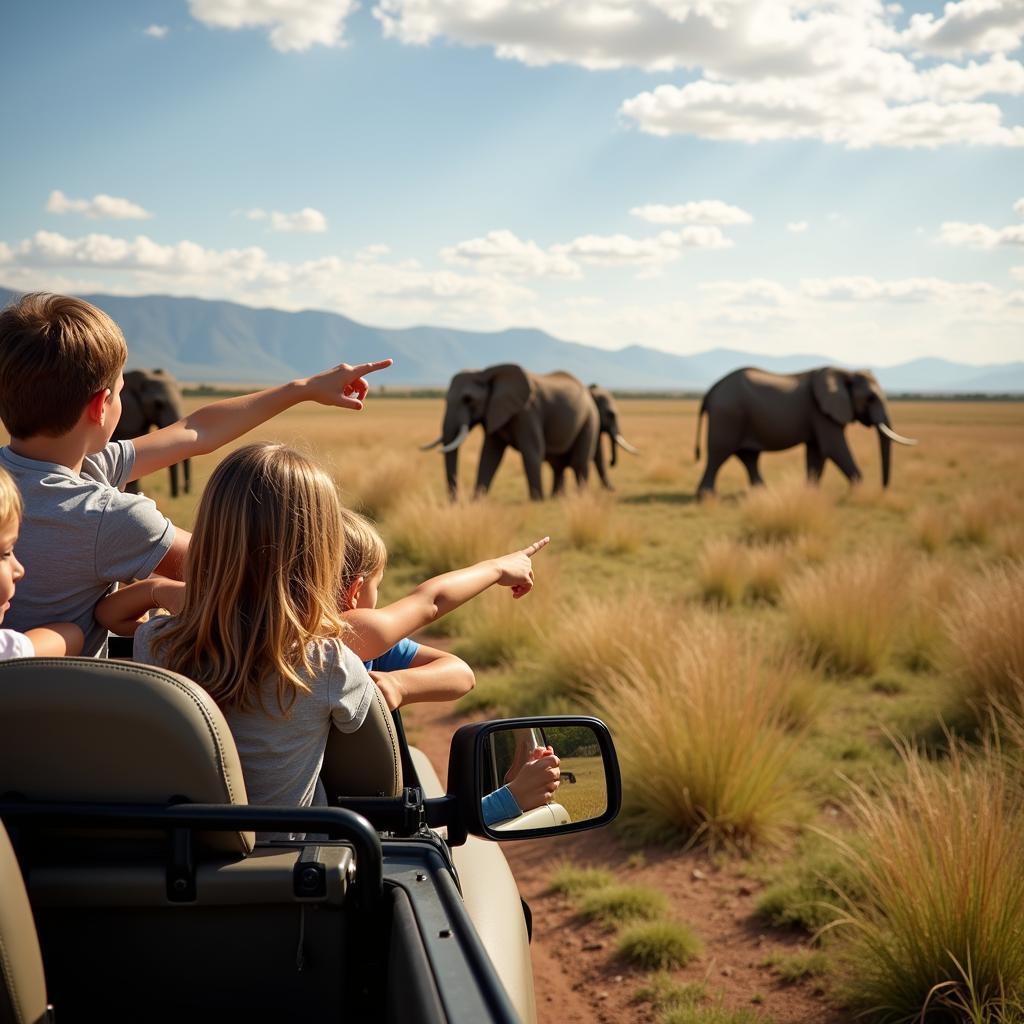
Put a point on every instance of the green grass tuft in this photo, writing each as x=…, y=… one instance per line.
x=659, y=945
x=619, y=904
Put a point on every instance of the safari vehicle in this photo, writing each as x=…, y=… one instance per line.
x=143, y=896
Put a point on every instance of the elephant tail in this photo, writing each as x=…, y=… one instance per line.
x=700, y=417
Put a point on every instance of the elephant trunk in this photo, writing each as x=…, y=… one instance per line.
x=614, y=448
x=453, y=433
x=451, y=473
x=885, y=447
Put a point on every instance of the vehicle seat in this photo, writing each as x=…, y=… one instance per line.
x=22, y=985
x=88, y=729
x=366, y=762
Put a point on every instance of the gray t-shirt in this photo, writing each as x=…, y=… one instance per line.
x=80, y=535
x=282, y=755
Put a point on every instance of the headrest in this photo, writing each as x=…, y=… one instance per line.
x=366, y=762
x=88, y=729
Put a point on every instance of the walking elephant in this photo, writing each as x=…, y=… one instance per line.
x=547, y=417
x=608, y=417
x=151, y=398
x=752, y=411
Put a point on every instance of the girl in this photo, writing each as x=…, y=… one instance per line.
x=261, y=626
x=53, y=640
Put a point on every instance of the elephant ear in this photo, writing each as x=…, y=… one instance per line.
x=832, y=395
x=510, y=391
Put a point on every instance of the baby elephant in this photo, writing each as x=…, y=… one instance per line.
x=752, y=411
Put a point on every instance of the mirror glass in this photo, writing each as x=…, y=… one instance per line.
x=542, y=777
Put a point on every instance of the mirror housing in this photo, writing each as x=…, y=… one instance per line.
x=473, y=774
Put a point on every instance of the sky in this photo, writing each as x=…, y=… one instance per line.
x=836, y=177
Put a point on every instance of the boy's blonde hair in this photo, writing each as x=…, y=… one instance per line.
x=263, y=573
x=56, y=352
x=365, y=552
x=11, y=506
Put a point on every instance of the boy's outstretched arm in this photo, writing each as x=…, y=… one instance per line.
x=120, y=611
x=433, y=675
x=376, y=630
x=214, y=425
x=56, y=640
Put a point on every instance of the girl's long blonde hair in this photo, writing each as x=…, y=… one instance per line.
x=263, y=578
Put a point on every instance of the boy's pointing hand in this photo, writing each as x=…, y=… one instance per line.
x=344, y=385
x=516, y=570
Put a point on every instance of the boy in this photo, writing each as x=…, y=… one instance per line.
x=61, y=363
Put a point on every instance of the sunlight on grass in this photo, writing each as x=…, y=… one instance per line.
x=701, y=732
x=722, y=571
x=931, y=528
x=659, y=945
x=844, y=615
x=938, y=918
x=378, y=484
x=931, y=591
x=572, y=881
x=592, y=522
x=618, y=904
x=786, y=512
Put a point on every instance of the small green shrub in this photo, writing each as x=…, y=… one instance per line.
x=793, y=967
x=570, y=880
x=659, y=945
x=618, y=904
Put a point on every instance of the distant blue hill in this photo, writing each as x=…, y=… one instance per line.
x=205, y=341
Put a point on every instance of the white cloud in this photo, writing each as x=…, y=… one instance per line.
x=304, y=221
x=156, y=31
x=501, y=252
x=1018, y=207
x=981, y=236
x=1017, y=273
x=294, y=24
x=840, y=71
x=969, y=26
x=704, y=211
x=370, y=253
x=797, y=227
x=99, y=207
x=624, y=250
x=912, y=289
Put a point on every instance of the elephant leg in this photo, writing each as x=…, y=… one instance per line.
x=187, y=464
x=815, y=463
x=558, y=477
x=707, y=481
x=490, y=458
x=840, y=454
x=531, y=465
x=749, y=459
x=173, y=469
x=602, y=471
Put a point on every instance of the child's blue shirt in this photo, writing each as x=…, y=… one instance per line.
x=395, y=659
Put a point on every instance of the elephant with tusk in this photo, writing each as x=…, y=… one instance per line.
x=751, y=411
x=546, y=417
x=608, y=417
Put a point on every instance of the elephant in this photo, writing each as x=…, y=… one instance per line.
x=151, y=398
x=608, y=418
x=548, y=417
x=751, y=411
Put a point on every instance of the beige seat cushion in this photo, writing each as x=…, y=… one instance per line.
x=366, y=762
x=87, y=729
x=22, y=985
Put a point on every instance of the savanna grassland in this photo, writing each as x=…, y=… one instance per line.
x=820, y=691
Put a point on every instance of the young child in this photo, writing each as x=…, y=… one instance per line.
x=380, y=636
x=59, y=638
x=261, y=628
x=61, y=363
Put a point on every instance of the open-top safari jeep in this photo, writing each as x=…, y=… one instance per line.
x=139, y=894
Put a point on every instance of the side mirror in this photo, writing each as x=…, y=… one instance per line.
x=521, y=778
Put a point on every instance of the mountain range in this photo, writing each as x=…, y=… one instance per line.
x=209, y=341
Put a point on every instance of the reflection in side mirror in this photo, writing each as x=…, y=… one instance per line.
x=540, y=776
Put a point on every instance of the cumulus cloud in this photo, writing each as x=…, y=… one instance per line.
x=305, y=221
x=99, y=207
x=156, y=31
x=912, y=289
x=704, y=211
x=294, y=25
x=624, y=250
x=981, y=236
x=842, y=72
x=502, y=252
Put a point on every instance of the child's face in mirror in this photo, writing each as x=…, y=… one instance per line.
x=11, y=570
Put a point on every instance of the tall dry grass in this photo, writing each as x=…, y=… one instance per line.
x=438, y=536
x=722, y=571
x=931, y=528
x=986, y=640
x=844, y=615
x=932, y=587
x=378, y=484
x=592, y=522
x=767, y=567
x=786, y=512
x=704, y=739
x=494, y=629
x=936, y=931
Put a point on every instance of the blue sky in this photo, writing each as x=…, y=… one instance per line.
x=841, y=177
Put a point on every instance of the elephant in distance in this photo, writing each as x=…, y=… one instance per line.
x=608, y=417
x=548, y=417
x=752, y=411
x=151, y=398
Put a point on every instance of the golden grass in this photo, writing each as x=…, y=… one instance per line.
x=495, y=629
x=938, y=919
x=701, y=731
x=380, y=483
x=767, y=566
x=844, y=615
x=931, y=528
x=438, y=536
x=592, y=522
x=786, y=512
x=986, y=637
x=931, y=591
x=723, y=571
